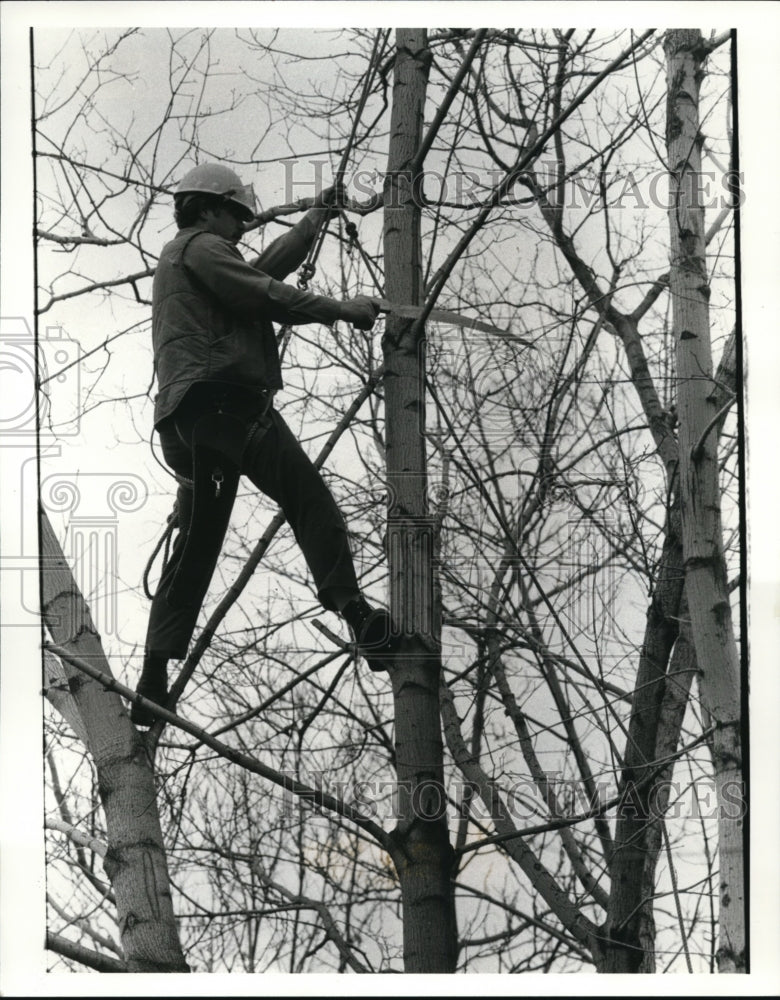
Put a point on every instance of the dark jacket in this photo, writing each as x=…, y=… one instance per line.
x=212, y=313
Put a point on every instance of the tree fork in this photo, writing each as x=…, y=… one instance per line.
x=427, y=892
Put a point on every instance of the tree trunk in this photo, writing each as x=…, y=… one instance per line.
x=135, y=860
x=679, y=678
x=629, y=928
x=661, y=693
x=430, y=937
x=705, y=570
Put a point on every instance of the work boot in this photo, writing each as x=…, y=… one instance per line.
x=372, y=631
x=152, y=684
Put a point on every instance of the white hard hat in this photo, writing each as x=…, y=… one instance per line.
x=214, y=178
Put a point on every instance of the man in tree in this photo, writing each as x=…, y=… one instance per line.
x=217, y=368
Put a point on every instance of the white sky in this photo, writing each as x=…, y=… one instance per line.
x=21, y=919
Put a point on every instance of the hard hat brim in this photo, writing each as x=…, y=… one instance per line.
x=220, y=182
x=243, y=198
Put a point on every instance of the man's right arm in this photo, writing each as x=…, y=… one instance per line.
x=241, y=288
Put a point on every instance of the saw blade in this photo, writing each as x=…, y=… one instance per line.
x=448, y=316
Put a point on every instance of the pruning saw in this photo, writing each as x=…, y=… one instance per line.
x=448, y=316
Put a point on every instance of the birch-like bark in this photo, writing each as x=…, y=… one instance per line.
x=135, y=857
x=705, y=569
x=666, y=667
x=424, y=868
x=628, y=931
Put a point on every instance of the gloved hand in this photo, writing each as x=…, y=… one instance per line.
x=361, y=311
x=331, y=197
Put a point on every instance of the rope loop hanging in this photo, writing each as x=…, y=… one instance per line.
x=352, y=233
x=164, y=540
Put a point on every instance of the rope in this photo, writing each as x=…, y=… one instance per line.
x=165, y=539
x=309, y=267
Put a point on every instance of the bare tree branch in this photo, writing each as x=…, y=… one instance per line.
x=84, y=956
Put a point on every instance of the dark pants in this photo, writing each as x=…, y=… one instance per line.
x=277, y=465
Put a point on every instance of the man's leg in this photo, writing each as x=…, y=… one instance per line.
x=169, y=630
x=278, y=466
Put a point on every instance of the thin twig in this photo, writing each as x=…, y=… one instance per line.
x=235, y=756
